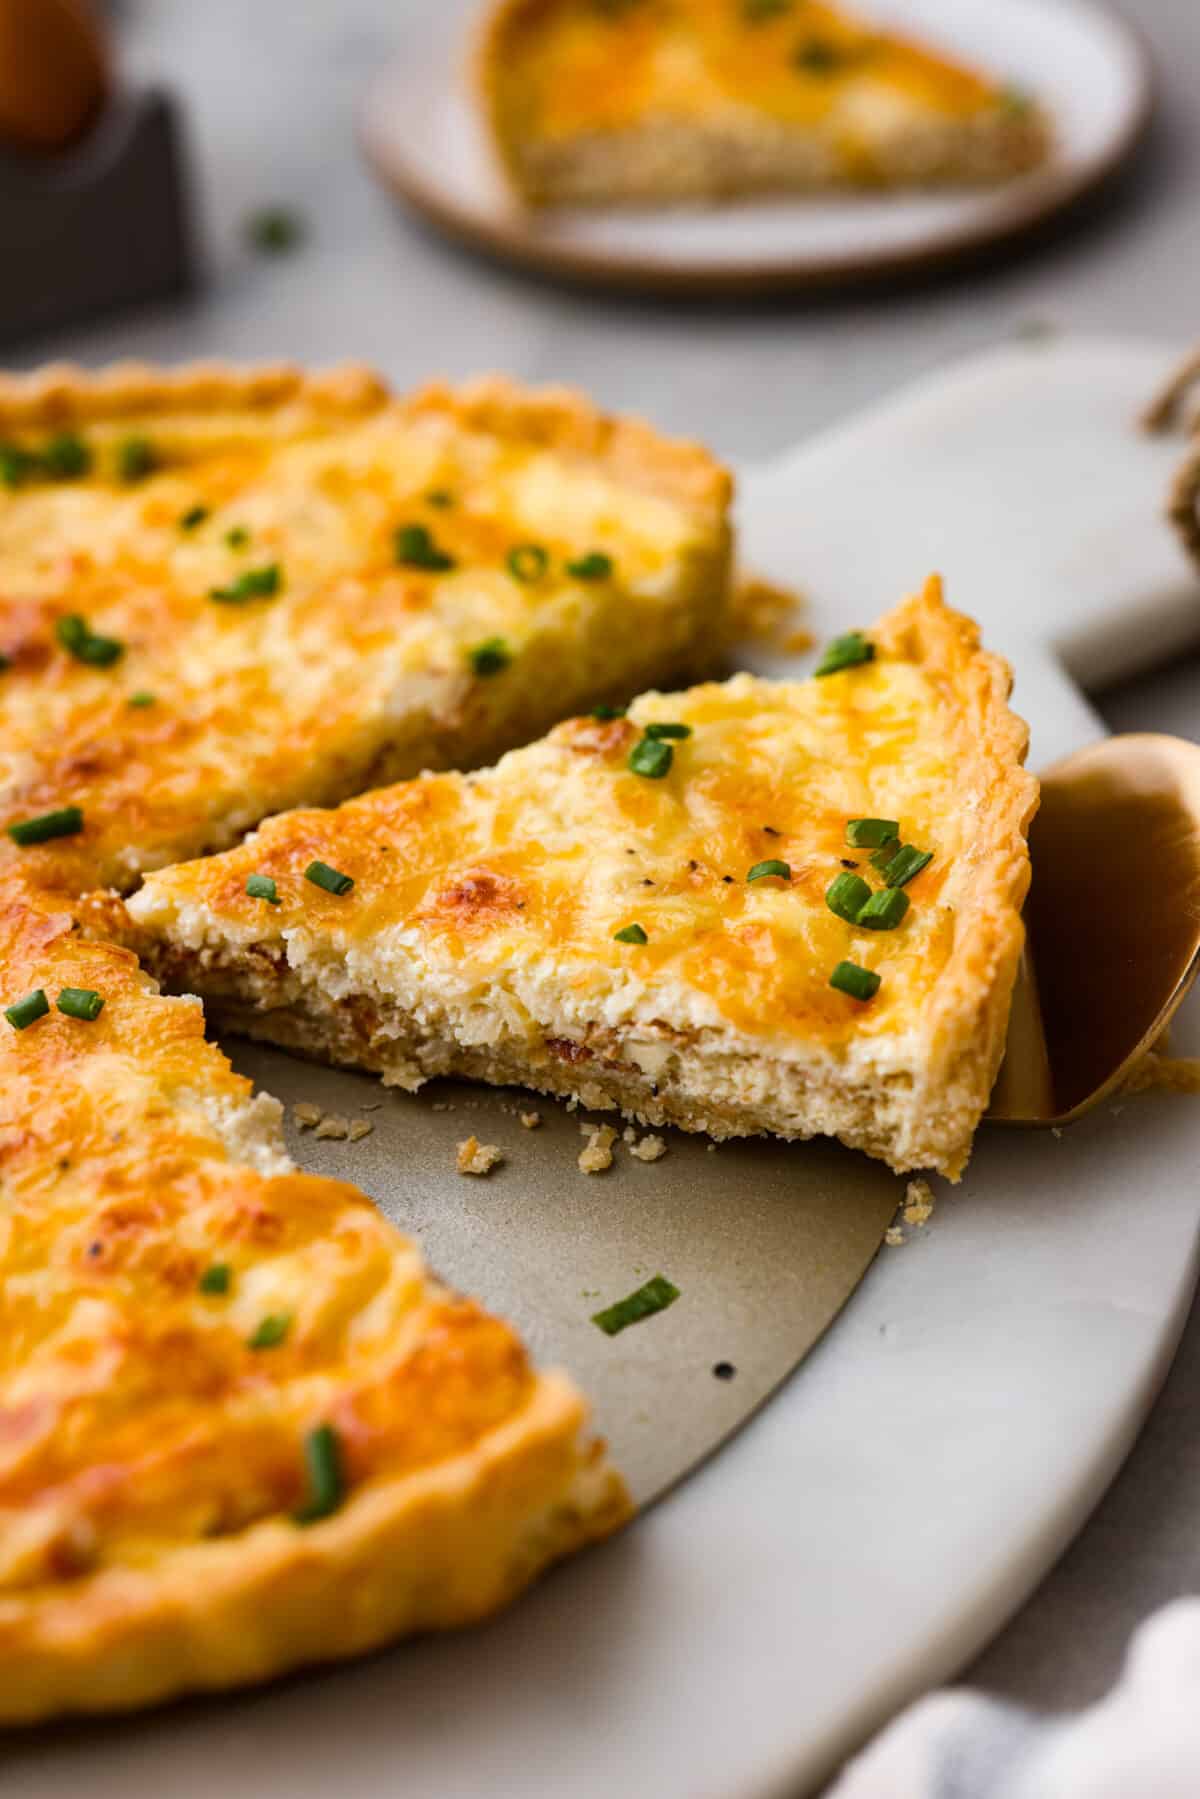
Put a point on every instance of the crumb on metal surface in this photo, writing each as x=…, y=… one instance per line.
x=596, y=1154
x=475, y=1157
x=649, y=1149
x=333, y=1125
x=918, y=1203
x=360, y=1128
x=530, y=1120
x=894, y=1237
x=306, y=1114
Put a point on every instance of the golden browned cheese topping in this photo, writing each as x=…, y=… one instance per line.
x=215, y=606
x=178, y=1307
x=602, y=65
x=520, y=878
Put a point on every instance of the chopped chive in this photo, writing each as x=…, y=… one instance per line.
x=263, y=887
x=194, y=516
x=490, y=657
x=16, y=465
x=817, y=56
x=655, y=1296
x=237, y=537
x=657, y=732
x=24, y=1012
x=323, y=1462
x=763, y=871
x=66, y=822
x=414, y=547
x=631, y=933
x=216, y=1279
x=321, y=875
x=884, y=910
x=143, y=697
x=595, y=566
x=79, y=640
x=441, y=497
x=847, y=895
x=66, y=457
x=81, y=1002
x=527, y=562
x=883, y=857
x=271, y=1331
x=859, y=983
x=651, y=758
x=254, y=584
x=136, y=458
x=869, y=833
x=274, y=230
x=906, y=865
x=846, y=652
x=606, y=712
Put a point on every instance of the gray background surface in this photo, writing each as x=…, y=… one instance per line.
x=270, y=88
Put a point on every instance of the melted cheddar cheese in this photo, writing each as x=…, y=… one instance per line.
x=273, y=642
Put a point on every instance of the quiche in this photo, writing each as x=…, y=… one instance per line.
x=747, y=907
x=242, y=1427
x=641, y=101
x=224, y=593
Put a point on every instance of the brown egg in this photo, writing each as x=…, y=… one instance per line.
x=53, y=72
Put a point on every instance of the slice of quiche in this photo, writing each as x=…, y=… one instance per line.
x=749, y=907
x=223, y=593
x=641, y=101
x=242, y=1428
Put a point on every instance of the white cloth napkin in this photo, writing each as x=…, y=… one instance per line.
x=1140, y=1742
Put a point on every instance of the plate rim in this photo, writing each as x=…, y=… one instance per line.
x=1016, y=220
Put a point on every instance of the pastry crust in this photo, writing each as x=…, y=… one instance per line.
x=640, y=102
x=352, y=665
x=153, y=1456
x=481, y=937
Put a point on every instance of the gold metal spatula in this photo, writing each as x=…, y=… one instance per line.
x=1113, y=917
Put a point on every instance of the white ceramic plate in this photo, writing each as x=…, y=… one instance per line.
x=900, y=1496
x=424, y=139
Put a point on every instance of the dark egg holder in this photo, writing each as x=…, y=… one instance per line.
x=100, y=225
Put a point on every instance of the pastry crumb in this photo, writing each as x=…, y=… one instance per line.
x=441, y=1105
x=596, y=1154
x=530, y=1121
x=360, y=1128
x=475, y=1157
x=894, y=1237
x=649, y=1149
x=629, y=1135
x=333, y=1125
x=918, y=1203
x=1055, y=1131
x=306, y=1114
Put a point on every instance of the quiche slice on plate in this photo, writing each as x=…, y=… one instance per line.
x=243, y=1427
x=227, y=592
x=748, y=907
x=592, y=102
